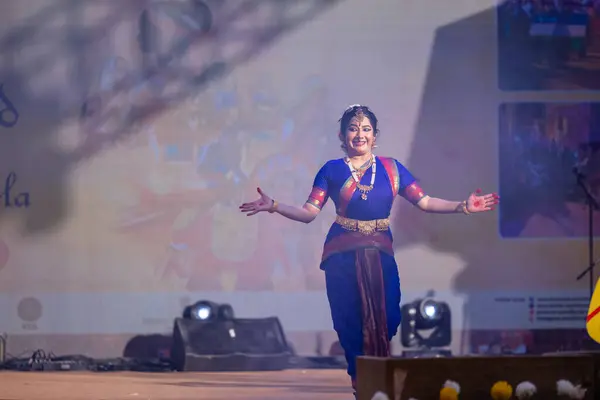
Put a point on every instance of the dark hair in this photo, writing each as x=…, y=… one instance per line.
x=352, y=112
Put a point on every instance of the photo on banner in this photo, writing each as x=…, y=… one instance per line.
x=548, y=153
x=548, y=45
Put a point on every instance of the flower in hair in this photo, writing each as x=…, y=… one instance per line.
x=352, y=106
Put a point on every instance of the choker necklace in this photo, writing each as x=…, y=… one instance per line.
x=364, y=189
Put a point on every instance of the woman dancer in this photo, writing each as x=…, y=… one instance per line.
x=363, y=286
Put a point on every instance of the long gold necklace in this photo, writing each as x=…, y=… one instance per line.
x=364, y=189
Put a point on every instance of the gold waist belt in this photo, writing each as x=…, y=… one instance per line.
x=364, y=227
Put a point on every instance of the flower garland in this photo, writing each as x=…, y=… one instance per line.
x=502, y=390
x=527, y=390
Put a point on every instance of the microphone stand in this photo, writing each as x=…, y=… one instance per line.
x=592, y=206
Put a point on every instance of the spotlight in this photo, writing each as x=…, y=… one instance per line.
x=203, y=310
x=427, y=327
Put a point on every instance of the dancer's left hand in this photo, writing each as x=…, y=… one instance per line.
x=479, y=203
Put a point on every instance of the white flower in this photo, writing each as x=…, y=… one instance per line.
x=578, y=392
x=564, y=388
x=352, y=106
x=453, y=385
x=380, y=396
x=525, y=390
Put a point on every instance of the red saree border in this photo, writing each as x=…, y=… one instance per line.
x=317, y=197
x=346, y=193
x=413, y=193
x=391, y=168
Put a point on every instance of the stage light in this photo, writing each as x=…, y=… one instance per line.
x=210, y=338
x=203, y=310
x=430, y=313
x=426, y=326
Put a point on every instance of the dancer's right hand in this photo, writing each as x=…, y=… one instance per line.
x=264, y=203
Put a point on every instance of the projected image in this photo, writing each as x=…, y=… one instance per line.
x=544, y=148
x=202, y=160
x=549, y=44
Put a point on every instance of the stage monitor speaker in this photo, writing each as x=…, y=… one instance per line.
x=229, y=345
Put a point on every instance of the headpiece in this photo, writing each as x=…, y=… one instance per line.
x=359, y=113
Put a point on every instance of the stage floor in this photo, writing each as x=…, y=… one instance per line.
x=292, y=384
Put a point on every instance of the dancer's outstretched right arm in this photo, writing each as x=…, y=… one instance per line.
x=306, y=213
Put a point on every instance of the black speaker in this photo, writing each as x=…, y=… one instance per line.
x=229, y=345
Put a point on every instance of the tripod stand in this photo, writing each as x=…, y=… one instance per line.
x=592, y=206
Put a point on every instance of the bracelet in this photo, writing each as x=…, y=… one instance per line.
x=274, y=206
x=463, y=205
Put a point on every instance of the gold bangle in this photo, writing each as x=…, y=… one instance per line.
x=464, y=208
x=274, y=206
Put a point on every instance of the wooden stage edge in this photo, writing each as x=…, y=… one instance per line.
x=298, y=384
x=399, y=378
x=422, y=378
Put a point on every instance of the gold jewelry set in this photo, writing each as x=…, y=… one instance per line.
x=370, y=227
x=364, y=190
x=274, y=206
x=358, y=173
x=463, y=206
x=364, y=227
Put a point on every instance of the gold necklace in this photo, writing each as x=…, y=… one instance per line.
x=364, y=189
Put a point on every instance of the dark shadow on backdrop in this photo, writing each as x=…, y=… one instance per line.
x=54, y=38
x=455, y=151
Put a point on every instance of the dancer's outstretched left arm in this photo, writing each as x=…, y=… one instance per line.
x=475, y=203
